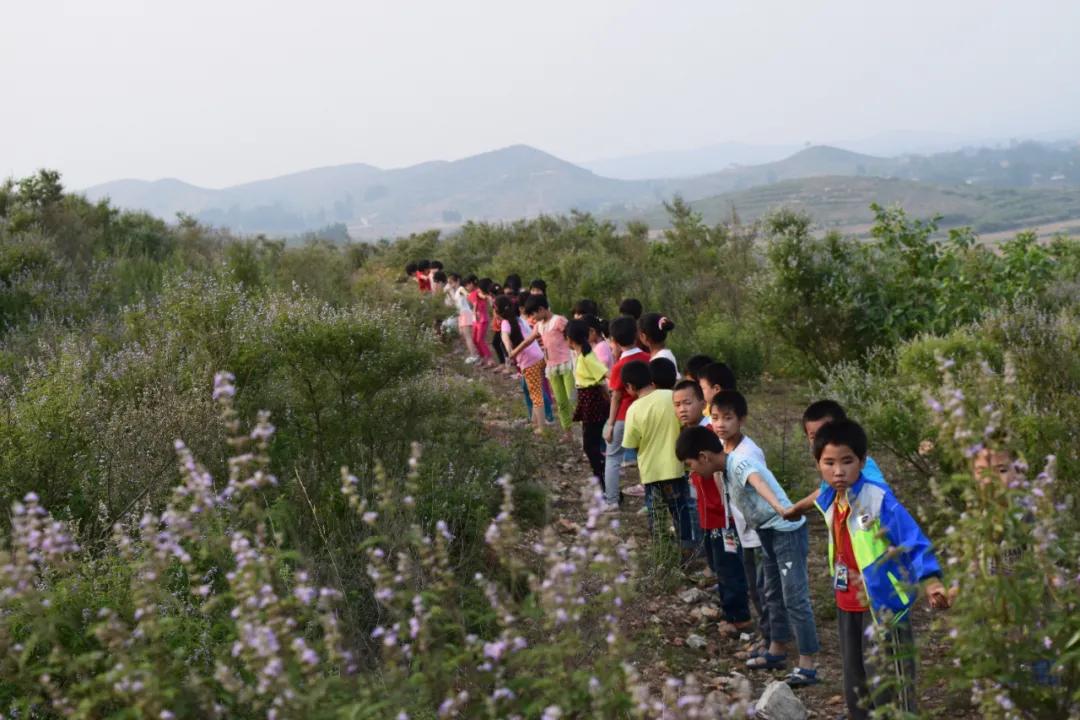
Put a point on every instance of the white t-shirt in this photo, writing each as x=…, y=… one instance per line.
x=665, y=353
x=747, y=536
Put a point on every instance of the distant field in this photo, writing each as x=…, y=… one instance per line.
x=844, y=203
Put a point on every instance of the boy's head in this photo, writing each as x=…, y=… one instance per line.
x=636, y=377
x=663, y=373
x=453, y=280
x=470, y=282
x=817, y=414
x=695, y=365
x=538, y=287
x=840, y=452
x=631, y=307
x=728, y=413
x=485, y=285
x=410, y=269
x=423, y=266
x=701, y=450
x=513, y=281
x=689, y=402
x=624, y=331
x=536, y=307
x=715, y=378
x=439, y=276
x=989, y=463
x=436, y=265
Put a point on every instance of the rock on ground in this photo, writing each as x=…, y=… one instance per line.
x=778, y=702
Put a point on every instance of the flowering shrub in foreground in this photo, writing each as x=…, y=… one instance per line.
x=1012, y=552
x=200, y=612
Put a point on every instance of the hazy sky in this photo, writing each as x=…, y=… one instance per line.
x=223, y=91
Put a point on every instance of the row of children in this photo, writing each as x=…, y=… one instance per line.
x=623, y=384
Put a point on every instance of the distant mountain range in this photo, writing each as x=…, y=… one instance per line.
x=521, y=181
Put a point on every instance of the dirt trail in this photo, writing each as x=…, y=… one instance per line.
x=661, y=621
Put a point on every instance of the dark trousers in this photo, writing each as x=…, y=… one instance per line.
x=730, y=576
x=755, y=582
x=500, y=351
x=676, y=495
x=595, y=447
x=891, y=660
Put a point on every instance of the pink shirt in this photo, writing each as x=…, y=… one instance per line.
x=603, y=353
x=532, y=353
x=554, y=339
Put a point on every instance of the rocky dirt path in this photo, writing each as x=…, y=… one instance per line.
x=673, y=617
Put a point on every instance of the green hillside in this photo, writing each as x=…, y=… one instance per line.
x=844, y=202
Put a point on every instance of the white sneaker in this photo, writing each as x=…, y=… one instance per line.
x=471, y=360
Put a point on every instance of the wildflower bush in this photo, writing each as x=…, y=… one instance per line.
x=206, y=610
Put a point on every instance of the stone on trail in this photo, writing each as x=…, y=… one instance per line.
x=778, y=702
x=693, y=595
x=696, y=641
x=709, y=611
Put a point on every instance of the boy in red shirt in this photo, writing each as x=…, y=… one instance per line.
x=721, y=541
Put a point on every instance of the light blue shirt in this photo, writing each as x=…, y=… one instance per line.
x=759, y=514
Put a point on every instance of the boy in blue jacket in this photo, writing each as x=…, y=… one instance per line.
x=877, y=556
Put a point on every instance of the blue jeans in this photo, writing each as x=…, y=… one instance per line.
x=730, y=576
x=675, y=494
x=613, y=456
x=528, y=402
x=787, y=587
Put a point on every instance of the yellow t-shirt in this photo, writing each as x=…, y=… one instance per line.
x=652, y=427
x=589, y=370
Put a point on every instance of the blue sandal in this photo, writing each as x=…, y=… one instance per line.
x=802, y=677
x=767, y=661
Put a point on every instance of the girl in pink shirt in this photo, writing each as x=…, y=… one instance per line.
x=598, y=340
x=550, y=329
x=530, y=359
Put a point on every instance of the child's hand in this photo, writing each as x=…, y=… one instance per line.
x=792, y=513
x=609, y=432
x=939, y=599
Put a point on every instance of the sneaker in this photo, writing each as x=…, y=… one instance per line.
x=470, y=360
x=635, y=491
x=802, y=677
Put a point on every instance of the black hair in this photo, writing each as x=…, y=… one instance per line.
x=663, y=372
x=637, y=373
x=600, y=325
x=695, y=440
x=496, y=288
x=485, y=285
x=718, y=374
x=586, y=307
x=730, y=400
x=539, y=285
x=470, y=279
x=695, y=364
x=656, y=327
x=841, y=432
x=505, y=307
x=691, y=386
x=822, y=409
x=513, y=281
x=423, y=265
x=436, y=265
x=624, y=331
x=631, y=307
x=410, y=269
x=439, y=276
x=578, y=331
x=523, y=297
x=454, y=276
x=534, y=303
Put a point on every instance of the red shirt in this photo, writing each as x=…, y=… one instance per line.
x=712, y=514
x=615, y=381
x=850, y=600
x=423, y=281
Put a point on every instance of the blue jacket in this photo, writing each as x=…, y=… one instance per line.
x=891, y=550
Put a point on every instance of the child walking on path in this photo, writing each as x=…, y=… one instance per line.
x=592, y=398
x=877, y=556
x=652, y=427
x=550, y=329
x=785, y=545
x=624, y=334
x=530, y=360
